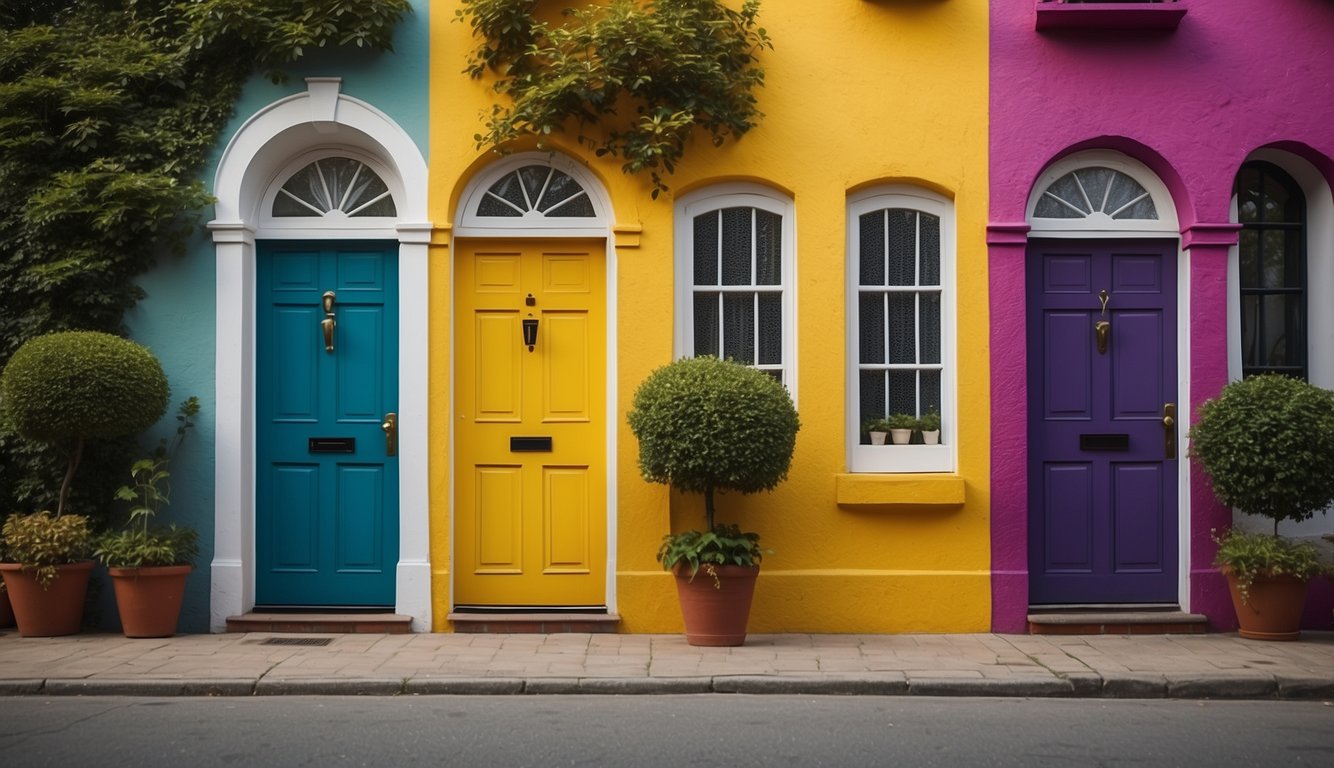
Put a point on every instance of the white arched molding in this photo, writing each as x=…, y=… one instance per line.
x=534, y=220
x=275, y=142
x=1099, y=223
x=1319, y=269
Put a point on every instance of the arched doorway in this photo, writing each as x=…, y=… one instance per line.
x=1103, y=432
x=320, y=217
x=532, y=375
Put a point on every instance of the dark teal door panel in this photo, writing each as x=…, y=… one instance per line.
x=326, y=527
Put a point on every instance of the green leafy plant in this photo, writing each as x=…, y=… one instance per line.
x=140, y=544
x=1248, y=555
x=902, y=421
x=69, y=387
x=706, y=425
x=646, y=73
x=930, y=421
x=875, y=425
x=41, y=541
x=1266, y=442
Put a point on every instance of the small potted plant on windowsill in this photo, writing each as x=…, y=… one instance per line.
x=149, y=564
x=1265, y=442
x=67, y=388
x=901, y=426
x=706, y=425
x=929, y=425
x=877, y=430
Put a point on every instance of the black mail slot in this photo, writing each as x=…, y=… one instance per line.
x=530, y=445
x=332, y=444
x=1094, y=442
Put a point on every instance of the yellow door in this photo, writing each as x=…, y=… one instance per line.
x=530, y=521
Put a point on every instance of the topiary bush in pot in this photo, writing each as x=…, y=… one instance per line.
x=1266, y=442
x=68, y=388
x=706, y=425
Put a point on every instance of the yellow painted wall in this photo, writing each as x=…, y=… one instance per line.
x=858, y=93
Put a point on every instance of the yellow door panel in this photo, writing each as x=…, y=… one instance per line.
x=565, y=497
x=498, y=514
x=530, y=451
x=565, y=385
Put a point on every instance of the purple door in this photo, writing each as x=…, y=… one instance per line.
x=1102, y=459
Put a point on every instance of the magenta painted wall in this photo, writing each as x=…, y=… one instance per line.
x=1191, y=104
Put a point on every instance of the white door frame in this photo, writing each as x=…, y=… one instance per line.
x=321, y=118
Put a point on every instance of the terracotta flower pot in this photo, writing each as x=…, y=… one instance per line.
x=56, y=610
x=716, y=611
x=900, y=436
x=149, y=599
x=1272, y=609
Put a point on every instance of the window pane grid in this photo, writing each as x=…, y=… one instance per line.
x=738, y=286
x=899, y=300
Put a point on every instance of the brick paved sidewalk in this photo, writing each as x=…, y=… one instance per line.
x=1139, y=666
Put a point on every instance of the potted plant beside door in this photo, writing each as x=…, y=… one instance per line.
x=1266, y=443
x=706, y=426
x=149, y=564
x=68, y=388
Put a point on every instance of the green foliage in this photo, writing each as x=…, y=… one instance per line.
x=108, y=113
x=930, y=421
x=645, y=73
x=141, y=544
x=68, y=387
x=876, y=425
x=722, y=545
x=1251, y=555
x=705, y=424
x=1266, y=443
x=41, y=541
x=82, y=384
x=902, y=421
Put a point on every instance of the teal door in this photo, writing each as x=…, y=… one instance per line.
x=326, y=486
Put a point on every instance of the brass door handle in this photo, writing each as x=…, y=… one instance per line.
x=1170, y=430
x=390, y=427
x=328, y=323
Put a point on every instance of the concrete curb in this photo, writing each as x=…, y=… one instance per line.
x=1073, y=685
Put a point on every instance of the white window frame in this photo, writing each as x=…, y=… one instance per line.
x=903, y=458
x=736, y=195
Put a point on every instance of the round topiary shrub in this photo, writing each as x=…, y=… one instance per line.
x=68, y=387
x=705, y=424
x=1266, y=442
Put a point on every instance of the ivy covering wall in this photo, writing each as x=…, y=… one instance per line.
x=108, y=112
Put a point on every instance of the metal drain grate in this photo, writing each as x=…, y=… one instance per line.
x=316, y=641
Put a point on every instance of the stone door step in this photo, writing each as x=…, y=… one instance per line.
x=535, y=623
x=322, y=623
x=1115, y=622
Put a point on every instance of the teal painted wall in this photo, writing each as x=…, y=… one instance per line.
x=176, y=320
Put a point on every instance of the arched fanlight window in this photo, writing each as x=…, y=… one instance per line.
x=334, y=186
x=536, y=191
x=1095, y=192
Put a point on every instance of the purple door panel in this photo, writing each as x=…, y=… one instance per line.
x=1103, y=487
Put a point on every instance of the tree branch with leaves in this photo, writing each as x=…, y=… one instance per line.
x=630, y=78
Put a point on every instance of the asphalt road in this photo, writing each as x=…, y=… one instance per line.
x=667, y=731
